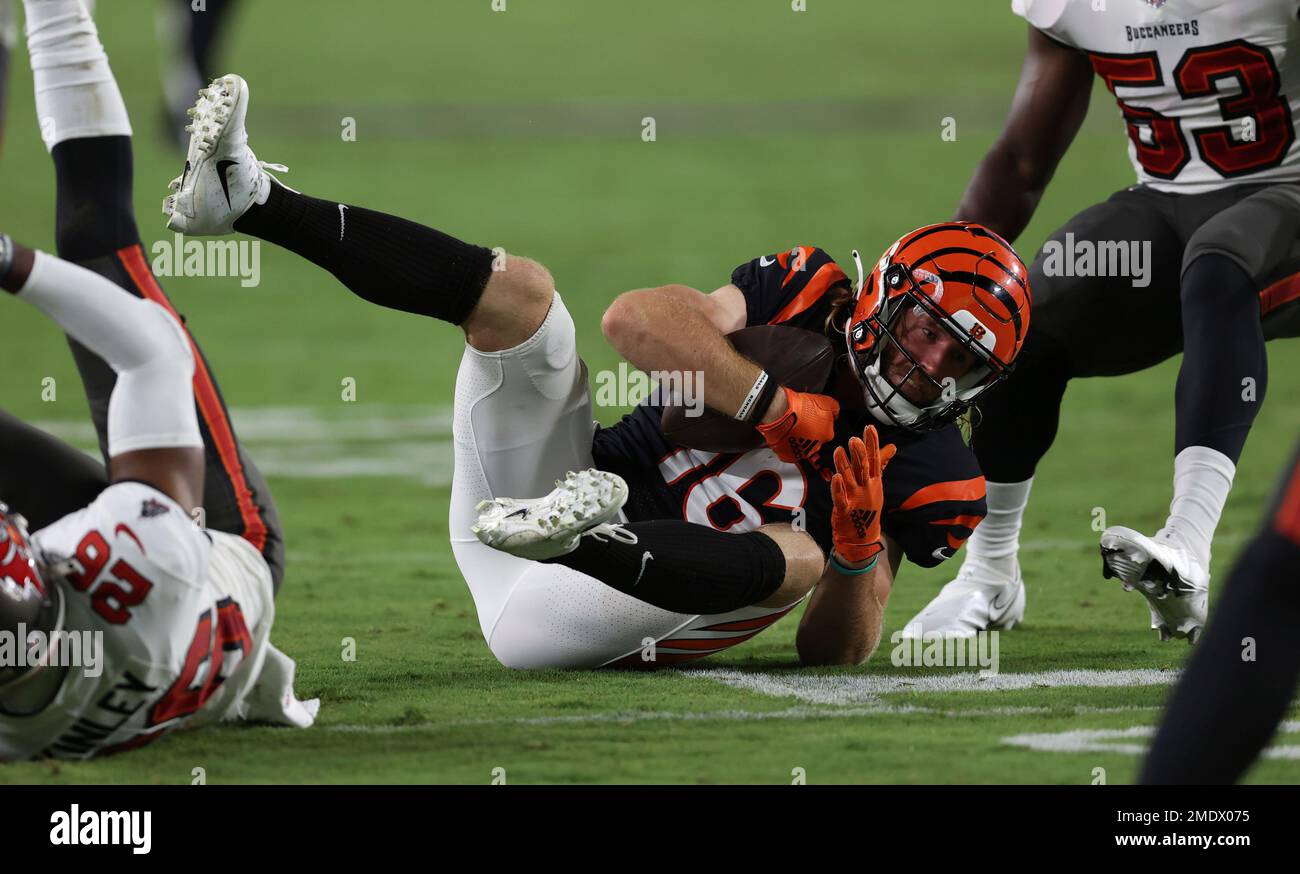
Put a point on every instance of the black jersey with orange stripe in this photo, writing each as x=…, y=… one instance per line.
x=789, y=288
x=934, y=492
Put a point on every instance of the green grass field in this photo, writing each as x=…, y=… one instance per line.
x=523, y=129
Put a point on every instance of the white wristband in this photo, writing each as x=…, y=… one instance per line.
x=747, y=408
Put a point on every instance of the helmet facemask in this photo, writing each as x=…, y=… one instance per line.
x=914, y=399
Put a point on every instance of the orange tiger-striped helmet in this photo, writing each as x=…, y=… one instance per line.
x=968, y=280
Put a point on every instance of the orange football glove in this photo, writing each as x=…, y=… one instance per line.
x=803, y=429
x=858, y=493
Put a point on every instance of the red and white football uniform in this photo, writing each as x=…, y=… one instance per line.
x=185, y=616
x=1209, y=90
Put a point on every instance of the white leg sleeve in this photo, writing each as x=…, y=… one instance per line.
x=152, y=406
x=522, y=418
x=76, y=95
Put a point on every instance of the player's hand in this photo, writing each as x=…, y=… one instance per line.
x=806, y=425
x=858, y=495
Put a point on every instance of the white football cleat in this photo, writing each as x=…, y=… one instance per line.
x=1172, y=580
x=540, y=528
x=222, y=176
x=981, y=598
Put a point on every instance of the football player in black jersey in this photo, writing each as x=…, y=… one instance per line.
x=646, y=552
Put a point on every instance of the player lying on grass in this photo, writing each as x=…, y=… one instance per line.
x=1229, y=702
x=706, y=555
x=41, y=476
x=1209, y=93
x=88, y=133
x=173, y=621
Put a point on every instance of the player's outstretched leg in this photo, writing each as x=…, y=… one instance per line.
x=1221, y=386
x=673, y=564
x=382, y=258
x=85, y=125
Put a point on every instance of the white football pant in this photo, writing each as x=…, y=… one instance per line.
x=522, y=419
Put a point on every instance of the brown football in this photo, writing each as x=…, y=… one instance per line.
x=800, y=359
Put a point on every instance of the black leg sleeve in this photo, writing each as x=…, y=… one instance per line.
x=1017, y=423
x=1225, y=366
x=96, y=228
x=42, y=477
x=95, y=215
x=684, y=567
x=384, y=259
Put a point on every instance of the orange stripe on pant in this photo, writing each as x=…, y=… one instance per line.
x=1281, y=292
x=958, y=490
x=1286, y=520
x=205, y=393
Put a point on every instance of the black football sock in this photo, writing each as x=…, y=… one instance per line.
x=1225, y=366
x=1242, y=676
x=385, y=259
x=95, y=214
x=684, y=567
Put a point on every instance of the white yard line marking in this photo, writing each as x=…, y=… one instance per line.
x=408, y=441
x=352, y=440
x=849, y=689
x=632, y=716
x=1102, y=740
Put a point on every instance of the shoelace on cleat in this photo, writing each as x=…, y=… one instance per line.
x=607, y=531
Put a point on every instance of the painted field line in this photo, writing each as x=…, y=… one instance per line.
x=849, y=689
x=1114, y=740
x=349, y=440
x=796, y=713
x=407, y=441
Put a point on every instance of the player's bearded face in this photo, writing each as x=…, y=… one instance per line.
x=933, y=351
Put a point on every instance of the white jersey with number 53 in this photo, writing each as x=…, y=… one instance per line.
x=185, y=616
x=1208, y=90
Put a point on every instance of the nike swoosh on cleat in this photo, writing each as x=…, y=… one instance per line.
x=185, y=175
x=522, y=511
x=1003, y=607
x=766, y=261
x=222, y=167
x=645, y=559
